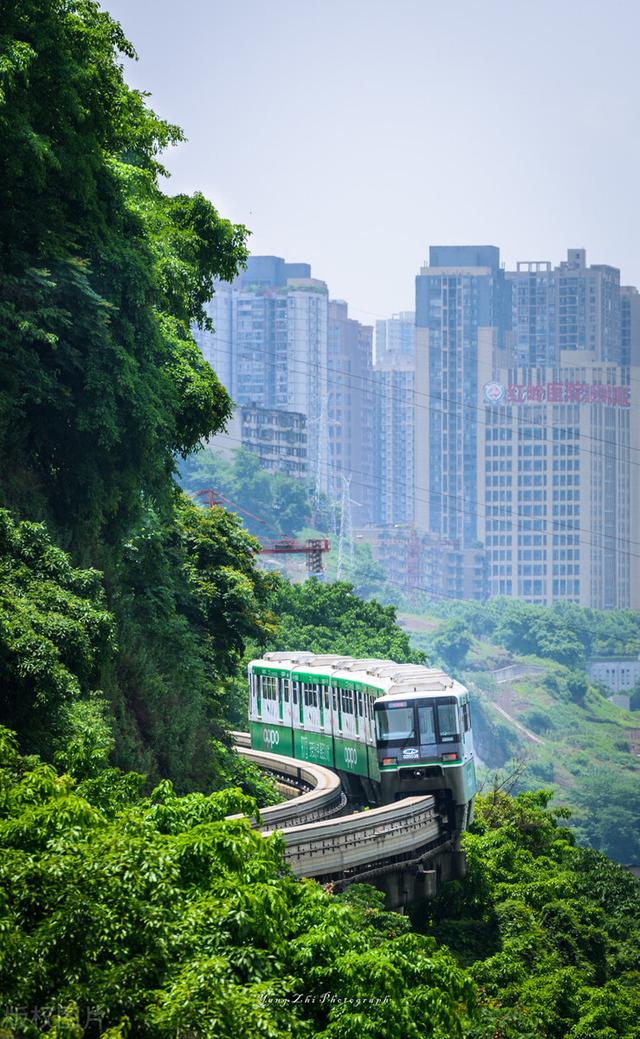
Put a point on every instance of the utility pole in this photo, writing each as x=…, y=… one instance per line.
x=345, y=543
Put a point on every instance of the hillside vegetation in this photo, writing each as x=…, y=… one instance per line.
x=130, y=905
x=551, y=726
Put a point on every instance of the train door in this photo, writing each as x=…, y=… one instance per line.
x=312, y=693
x=297, y=703
x=285, y=700
x=368, y=718
x=326, y=724
x=270, y=689
x=253, y=699
x=336, y=711
x=347, y=702
x=467, y=737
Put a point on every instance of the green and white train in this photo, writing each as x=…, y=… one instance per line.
x=390, y=730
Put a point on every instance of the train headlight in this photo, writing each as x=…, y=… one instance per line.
x=389, y=761
x=449, y=757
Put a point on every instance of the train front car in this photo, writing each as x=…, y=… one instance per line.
x=424, y=743
x=390, y=730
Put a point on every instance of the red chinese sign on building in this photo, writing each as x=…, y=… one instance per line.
x=558, y=393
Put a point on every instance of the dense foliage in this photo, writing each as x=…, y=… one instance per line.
x=331, y=618
x=188, y=596
x=54, y=632
x=101, y=386
x=155, y=917
x=565, y=633
x=268, y=503
x=101, y=275
x=549, y=932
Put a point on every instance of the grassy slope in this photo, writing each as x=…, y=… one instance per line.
x=562, y=741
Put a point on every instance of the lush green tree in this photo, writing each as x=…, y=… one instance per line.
x=55, y=633
x=548, y=930
x=101, y=275
x=280, y=501
x=189, y=596
x=608, y=812
x=157, y=916
x=452, y=643
x=563, y=632
x=331, y=618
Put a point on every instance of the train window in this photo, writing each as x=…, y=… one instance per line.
x=285, y=689
x=315, y=696
x=447, y=720
x=395, y=723
x=334, y=697
x=426, y=722
x=271, y=683
x=326, y=698
x=347, y=701
x=295, y=693
x=359, y=697
x=466, y=716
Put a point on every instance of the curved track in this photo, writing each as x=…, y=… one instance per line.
x=351, y=846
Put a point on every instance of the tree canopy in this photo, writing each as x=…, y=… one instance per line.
x=280, y=501
x=127, y=588
x=154, y=916
x=548, y=931
x=331, y=618
x=55, y=632
x=564, y=632
x=101, y=275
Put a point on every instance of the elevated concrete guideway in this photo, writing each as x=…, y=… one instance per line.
x=404, y=847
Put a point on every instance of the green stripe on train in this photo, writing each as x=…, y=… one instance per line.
x=351, y=756
x=272, y=737
x=316, y=747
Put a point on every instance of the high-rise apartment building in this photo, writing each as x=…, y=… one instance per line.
x=269, y=345
x=396, y=335
x=630, y=325
x=526, y=440
x=558, y=448
x=349, y=409
x=394, y=416
x=568, y=307
x=277, y=437
x=462, y=314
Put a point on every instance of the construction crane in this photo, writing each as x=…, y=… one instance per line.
x=312, y=548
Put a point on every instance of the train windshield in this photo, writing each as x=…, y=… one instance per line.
x=427, y=724
x=447, y=720
x=395, y=723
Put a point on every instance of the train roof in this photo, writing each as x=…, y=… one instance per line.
x=390, y=678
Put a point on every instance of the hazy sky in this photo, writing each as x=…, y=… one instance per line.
x=354, y=134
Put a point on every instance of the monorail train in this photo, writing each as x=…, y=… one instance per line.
x=390, y=730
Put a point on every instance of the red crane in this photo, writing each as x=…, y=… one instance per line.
x=312, y=548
